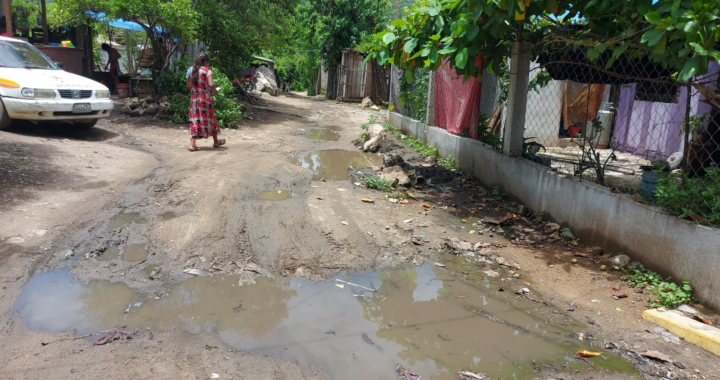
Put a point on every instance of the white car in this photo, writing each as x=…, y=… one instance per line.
x=32, y=87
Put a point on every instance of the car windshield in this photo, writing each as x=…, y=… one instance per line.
x=23, y=55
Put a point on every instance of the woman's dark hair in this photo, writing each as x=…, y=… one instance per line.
x=105, y=46
x=201, y=59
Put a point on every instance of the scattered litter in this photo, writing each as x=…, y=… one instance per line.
x=426, y=205
x=441, y=265
x=491, y=273
x=114, y=335
x=344, y=223
x=367, y=200
x=462, y=296
x=655, y=355
x=351, y=284
x=393, y=200
x=594, y=300
x=192, y=271
x=588, y=354
x=702, y=319
x=214, y=376
x=408, y=221
x=341, y=286
x=617, y=292
x=69, y=253
x=404, y=374
x=330, y=332
x=618, y=309
x=465, y=375
x=341, y=189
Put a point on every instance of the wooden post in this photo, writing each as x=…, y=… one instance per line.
x=8, y=19
x=44, y=22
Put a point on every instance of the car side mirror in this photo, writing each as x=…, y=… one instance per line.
x=59, y=65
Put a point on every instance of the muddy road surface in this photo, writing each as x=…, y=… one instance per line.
x=124, y=255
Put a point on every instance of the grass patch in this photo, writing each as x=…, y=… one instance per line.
x=425, y=151
x=378, y=183
x=666, y=292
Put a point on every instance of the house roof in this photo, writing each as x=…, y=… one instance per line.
x=263, y=59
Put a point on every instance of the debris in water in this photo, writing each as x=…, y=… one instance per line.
x=404, y=374
x=192, y=271
x=588, y=354
x=465, y=375
x=341, y=286
x=441, y=265
x=369, y=341
x=359, y=286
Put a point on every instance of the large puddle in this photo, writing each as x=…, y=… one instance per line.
x=421, y=317
x=334, y=163
x=123, y=219
x=329, y=133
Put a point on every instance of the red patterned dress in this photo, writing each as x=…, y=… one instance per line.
x=203, y=123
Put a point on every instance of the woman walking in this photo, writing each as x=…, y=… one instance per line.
x=202, y=110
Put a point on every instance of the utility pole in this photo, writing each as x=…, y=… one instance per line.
x=397, y=9
x=8, y=19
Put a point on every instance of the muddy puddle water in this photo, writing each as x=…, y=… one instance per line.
x=274, y=195
x=135, y=252
x=168, y=215
x=127, y=218
x=325, y=134
x=334, y=163
x=110, y=253
x=421, y=317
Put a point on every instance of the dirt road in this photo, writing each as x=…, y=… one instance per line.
x=128, y=203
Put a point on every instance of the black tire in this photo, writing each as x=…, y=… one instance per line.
x=4, y=118
x=85, y=125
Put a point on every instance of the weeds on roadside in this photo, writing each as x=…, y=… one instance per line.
x=497, y=194
x=378, y=183
x=425, y=151
x=667, y=293
x=371, y=120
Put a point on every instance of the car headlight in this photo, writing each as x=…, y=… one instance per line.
x=37, y=93
x=102, y=94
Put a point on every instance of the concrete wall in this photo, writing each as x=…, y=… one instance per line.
x=660, y=241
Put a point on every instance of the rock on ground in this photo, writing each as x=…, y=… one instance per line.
x=395, y=173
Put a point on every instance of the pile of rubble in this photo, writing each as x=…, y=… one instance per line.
x=148, y=105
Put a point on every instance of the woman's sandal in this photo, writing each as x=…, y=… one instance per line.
x=195, y=149
x=220, y=143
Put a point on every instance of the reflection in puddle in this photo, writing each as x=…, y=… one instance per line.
x=168, y=215
x=110, y=253
x=329, y=133
x=135, y=252
x=277, y=195
x=333, y=163
x=415, y=318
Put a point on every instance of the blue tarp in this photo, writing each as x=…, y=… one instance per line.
x=119, y=23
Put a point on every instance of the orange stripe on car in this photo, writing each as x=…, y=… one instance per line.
x=6, y=83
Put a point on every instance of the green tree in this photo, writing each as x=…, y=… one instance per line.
x=680, y=35
x=235, y=30
x=175, y=16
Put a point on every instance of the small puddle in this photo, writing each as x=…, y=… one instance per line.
x=124, y=219
x=421, y=317
x=329, y=133
x=333, y=163
x=150, y=268
x=276, y=195
x=110, y=253
x=168, y=215
x=135, y=252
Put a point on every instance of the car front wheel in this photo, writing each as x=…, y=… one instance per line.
x=4, y=118
x=85, y=124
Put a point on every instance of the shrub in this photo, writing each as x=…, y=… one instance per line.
x=227, y=110
x=696, y=198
